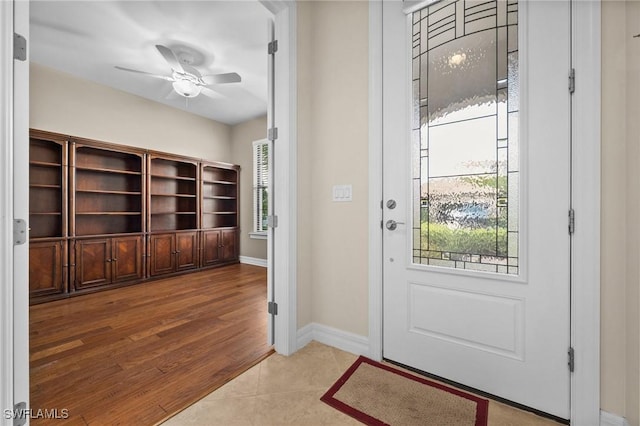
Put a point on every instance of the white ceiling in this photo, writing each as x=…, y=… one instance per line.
x=89, y=38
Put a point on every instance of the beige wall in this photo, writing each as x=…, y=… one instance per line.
x=620, y=231
x=65, y=104
x=332, y=150
x=242, y=136
x=632, y=87
x=305, y=140
x=613, y=232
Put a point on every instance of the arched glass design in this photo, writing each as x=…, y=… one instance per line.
x=465, y=148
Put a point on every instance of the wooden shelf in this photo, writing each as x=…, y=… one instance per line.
x=38, y=185
x=220, y=182
x=154, y=176
x=44, y=164
x=219, y=212
x=45, y=213
x=170, y=213
x=218, y=197
x=109, y=213
x=104, y=191
x=174, y=195
x=103, y=170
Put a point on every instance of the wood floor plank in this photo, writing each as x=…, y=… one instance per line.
x=138, y=354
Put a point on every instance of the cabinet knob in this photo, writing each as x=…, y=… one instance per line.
x=114, y=260
x=108, y=260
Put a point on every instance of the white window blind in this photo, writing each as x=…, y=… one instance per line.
x=260, y=185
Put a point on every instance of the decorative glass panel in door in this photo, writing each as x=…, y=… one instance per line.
x=465, y=135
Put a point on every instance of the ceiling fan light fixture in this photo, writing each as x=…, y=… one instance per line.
x=186, y=88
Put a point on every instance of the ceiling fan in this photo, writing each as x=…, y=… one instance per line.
x=186, y=80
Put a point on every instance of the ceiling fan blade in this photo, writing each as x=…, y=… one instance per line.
x=170, y=57
x=231, y=77
x=213, y=94
x=163, y=77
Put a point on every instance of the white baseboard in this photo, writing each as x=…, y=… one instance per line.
x=609, y=419
x=253, y=261
x=343, y=340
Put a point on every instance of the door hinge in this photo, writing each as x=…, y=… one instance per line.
x=572, y=80
x=272, y=134
x=572, y=360
x=20, y=414
x=272, y=221
x=272, y=47
x=272, y=308
x=19, y=232
x=19, y=47
x=572, y=221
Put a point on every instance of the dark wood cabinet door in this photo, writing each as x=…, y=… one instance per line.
x=211, y=248
x=46, y=268
x=229, y=245
x=187, y=251
x=127, y=258
x=93, y=263
x=162, y=254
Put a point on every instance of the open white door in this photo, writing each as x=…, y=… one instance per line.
x=14, y=204
x=476, y=140
x=281, y=116
x=271, y=322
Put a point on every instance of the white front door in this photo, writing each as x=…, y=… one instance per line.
x=476, y=152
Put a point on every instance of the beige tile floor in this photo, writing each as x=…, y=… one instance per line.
x=287, y=390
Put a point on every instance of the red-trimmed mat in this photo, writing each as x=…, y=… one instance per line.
x=366, y=418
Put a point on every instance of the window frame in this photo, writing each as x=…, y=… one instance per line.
x=258, y=185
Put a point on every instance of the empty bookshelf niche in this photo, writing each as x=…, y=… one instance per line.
x=173, y=194
x=219, y=238
x=219, y=196
x=47, y=214
x=173, y=214
x=108, y=216
x=108, y=192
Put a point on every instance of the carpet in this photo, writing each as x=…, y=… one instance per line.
x=377, y=394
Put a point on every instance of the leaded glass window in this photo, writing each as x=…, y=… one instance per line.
x=465, y=152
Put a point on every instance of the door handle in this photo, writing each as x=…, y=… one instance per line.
x=392, y=224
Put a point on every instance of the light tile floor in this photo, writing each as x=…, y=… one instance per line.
x=287, y=390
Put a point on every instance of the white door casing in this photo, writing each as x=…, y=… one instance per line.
x=14, y=303
x=284, y=176
x=21, y=210
x=271, y=320
x=505, y=335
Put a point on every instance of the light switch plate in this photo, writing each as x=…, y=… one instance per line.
x=342, y=193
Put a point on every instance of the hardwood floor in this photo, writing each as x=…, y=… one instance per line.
x=136, y=355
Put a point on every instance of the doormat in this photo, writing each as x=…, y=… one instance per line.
x=377, y=394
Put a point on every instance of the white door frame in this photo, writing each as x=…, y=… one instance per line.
x=14, y=157
x=585, y=266
x=285, y=175
x=6, y=208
